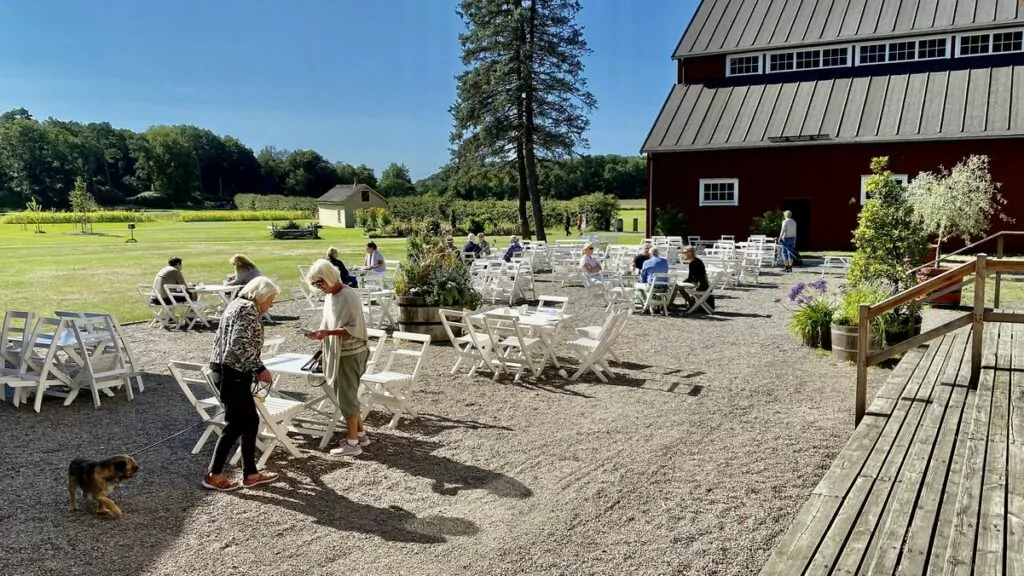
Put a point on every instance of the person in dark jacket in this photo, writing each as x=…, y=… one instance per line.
x=346, y=278
x=698, y=276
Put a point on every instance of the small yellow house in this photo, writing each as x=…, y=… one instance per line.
x=338, y=206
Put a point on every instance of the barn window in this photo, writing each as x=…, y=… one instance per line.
x=932, y=48
x=780, y=62
x=365, y=196
x=720, y=192
x=1008, y=42
x=872, y=54
x=741, y=65
x=975, y=44
x=833, y=57
x=901, y=178
x=808, y=59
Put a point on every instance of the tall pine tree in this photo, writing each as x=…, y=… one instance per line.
x=523, y=97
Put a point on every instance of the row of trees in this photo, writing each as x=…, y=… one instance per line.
x=185, y=165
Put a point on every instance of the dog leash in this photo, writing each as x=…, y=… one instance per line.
x=175, y=435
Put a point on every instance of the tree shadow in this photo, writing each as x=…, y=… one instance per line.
x=307, y=494
x=432, y=425
x=449, y=477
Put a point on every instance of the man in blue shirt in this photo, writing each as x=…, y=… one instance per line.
x=654, y=265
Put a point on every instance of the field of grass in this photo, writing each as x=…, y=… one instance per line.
x=64, y=270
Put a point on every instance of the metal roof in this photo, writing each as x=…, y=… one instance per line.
x=739, y=25
x=341, y=192
x=971, y=103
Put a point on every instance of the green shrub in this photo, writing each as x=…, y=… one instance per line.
x=670, y=222
x=242, y=215
x=768, y=224
x=150, y=199
x=600, y=209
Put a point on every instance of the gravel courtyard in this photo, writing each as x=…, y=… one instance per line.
x=693, y=461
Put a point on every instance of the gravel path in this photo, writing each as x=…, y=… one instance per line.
x=693, y=461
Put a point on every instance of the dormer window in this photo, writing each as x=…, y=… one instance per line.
x=1008, y=42
x=780, y=62
x=976, y=44
x=994, y=43
x=742, y=65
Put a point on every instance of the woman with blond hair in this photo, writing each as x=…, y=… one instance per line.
x=245, y=271
x=343, y=338
x=346, y=278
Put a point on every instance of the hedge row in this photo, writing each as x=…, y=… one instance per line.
x=74, y=217
x=275, y=202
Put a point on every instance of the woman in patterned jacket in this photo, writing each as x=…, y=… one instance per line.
x=235, y=365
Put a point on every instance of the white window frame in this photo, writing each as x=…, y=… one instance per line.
x=991, y=41
x=736, y=191
x=728, y=64
x=850, y=54
x=903, y=178
x=917, y=47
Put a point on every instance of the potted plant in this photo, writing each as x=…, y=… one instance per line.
x=432, y=278
x=890, y=241
x=951, y=204
x=812, y=318
x=846, y=321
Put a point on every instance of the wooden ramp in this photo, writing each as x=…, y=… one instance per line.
x=932, y=481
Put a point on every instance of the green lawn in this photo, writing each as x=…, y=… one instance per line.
x=62, y=270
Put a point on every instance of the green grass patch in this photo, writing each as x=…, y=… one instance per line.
x=66, y=270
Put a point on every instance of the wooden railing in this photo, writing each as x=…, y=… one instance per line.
x=980, y=267
x=999, y=237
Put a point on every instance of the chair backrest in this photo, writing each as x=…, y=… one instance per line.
x=303, y=271
x=17, y=328
x=661, y=280
x=546, y=303
x=98, y=346
x=270, y=347
x=177, y=290
x=499, y=325
x=38, y=351
x=452, y=319
x=376, y=341
x=187, y=375
x=407, y=345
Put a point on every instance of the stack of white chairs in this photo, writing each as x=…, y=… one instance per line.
x=128, y=356
x=39, y=367
x=100, y=352
x=595, y=343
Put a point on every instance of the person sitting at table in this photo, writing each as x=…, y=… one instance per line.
x=643, y=256
x=471, y=247
x=346, y=278
x=234, y=365
x=374, y=261
x=654, y=265
x=170, y=275
x=589, y=264
x=245, y=271
x=514, y=247
x=484, y=248
x=698, y=276
x=343, y=340
x=449, y=243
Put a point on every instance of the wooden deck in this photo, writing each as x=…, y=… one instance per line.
x=932, y=481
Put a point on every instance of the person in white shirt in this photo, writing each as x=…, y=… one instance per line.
x=343, y=338
x=787, y=238
x=589, y=264
x=374, y=262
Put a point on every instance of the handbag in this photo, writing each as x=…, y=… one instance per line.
x=313, y=365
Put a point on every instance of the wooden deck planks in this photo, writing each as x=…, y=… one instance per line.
x=932, y=481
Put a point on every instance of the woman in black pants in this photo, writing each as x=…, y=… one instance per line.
x=235, y=364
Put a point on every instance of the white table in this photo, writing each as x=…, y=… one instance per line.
x=225, y=293
x=541, y=324
x=291, y=364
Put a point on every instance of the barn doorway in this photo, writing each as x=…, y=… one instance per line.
x=801, y=210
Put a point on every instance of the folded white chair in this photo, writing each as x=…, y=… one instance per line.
x=104, y=367
x=39, y=369
x=592, y=351
x=467, y=346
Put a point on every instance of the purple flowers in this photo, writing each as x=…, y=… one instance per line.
x=803, y=294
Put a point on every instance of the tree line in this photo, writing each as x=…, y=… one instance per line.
x=184, y=165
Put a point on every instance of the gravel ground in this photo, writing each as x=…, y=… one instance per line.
x=693, y=461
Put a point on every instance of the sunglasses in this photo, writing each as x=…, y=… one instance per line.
x=319, y=283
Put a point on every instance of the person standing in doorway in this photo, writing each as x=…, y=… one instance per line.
x=787, y=238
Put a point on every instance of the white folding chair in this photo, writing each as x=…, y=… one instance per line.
x=592, y=351
x=513, y=348
x=391, y=388
x=163, y=314
x=701, y=297
x=547, y=303
x=16, y=330
x=182, y=300
x=40, y=368
x=467, y=346
x=658, y=293
x=376, y=341
x=188, y=374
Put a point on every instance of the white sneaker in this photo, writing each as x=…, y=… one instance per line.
x=364, y=440
x=346, y=449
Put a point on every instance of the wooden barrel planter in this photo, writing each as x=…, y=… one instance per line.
x=844, y=342
x=415, y=316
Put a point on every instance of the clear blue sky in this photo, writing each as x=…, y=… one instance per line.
x=360, y=81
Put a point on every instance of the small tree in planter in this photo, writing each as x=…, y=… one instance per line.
x=956, y=204
x=890, y=242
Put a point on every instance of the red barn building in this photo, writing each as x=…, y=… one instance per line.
x=781, y=104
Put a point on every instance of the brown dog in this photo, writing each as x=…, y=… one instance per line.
x=97, y=479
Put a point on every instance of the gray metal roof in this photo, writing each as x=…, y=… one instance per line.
x=340, y=193
x=739, y=25
x=976, y=103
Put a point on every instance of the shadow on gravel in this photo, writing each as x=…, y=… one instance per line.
x=432, y=425
x=415, y=456
x=302, y=490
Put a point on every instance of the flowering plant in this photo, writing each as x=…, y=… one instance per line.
x=814, y=310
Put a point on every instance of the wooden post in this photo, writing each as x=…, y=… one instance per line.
x=999, y=274
x=863, y=323
x=978, y=322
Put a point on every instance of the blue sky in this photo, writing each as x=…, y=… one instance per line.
x=366, y=81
